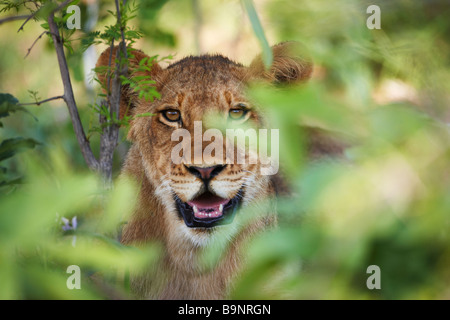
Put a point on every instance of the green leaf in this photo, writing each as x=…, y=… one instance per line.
x=10, y=147
x=9, y=104
x=259, y=32
x=8, y=98
x=12, y=182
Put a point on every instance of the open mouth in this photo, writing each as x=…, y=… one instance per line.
x=208, y=210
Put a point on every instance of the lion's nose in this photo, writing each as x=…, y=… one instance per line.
x=205, y=173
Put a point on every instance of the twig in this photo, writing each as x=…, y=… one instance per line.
x=28, y=19
x=119, y=20
x=68, y=91
x=62, y=5
x=108, y=81
x=40, y=36
x=13, y=18
x=42, y=101
x=121, y=68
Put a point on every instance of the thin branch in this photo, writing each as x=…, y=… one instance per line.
x=121, y=68
x=40, y=36
x=28, y=19
x=42, y=101
x=68, y=91
x=62, y=5
x=14, y=18
x=119, y=20
x=108, y=81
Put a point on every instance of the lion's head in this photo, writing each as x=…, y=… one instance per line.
x=203, y=190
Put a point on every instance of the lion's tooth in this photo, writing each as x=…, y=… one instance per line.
x=195, y=209
x=221, y=208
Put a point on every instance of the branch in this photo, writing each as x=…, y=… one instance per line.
x=121, y=68
x=110, y=133
x=68, y=91
x=108, y=81
x=62, y=5
x=42, y=101
x=40, y=36
x=14, y=18
x=28, y=19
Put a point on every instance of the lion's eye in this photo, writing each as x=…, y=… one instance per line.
x=237, y=113
x=172, y=115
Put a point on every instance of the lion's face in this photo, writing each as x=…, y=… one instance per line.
x=201, y=194
x=204, y=188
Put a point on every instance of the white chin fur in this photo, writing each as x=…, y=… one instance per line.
x=211, y=236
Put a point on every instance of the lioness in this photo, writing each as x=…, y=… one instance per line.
x=192, y=205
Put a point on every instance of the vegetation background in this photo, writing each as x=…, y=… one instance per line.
x=386, y=92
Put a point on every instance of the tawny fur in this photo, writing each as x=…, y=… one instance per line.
x=195, y=86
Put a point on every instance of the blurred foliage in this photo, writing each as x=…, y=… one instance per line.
x=386, y=202
x=267, y=56
x=36, y=250
x=147, y=17
x=9, y=147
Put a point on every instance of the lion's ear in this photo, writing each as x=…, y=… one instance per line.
x=136, y=68
x=289, y=65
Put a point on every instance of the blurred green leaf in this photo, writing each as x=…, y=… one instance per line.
x=383, y=201
x=267, y=55
x=9, y=104
x=10, y=147
x=35, y=251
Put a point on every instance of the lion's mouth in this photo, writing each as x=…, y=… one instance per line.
x=208, y=210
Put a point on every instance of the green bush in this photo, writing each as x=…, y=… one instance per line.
x=384, y=202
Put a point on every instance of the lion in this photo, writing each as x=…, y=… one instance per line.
x=192, y=206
